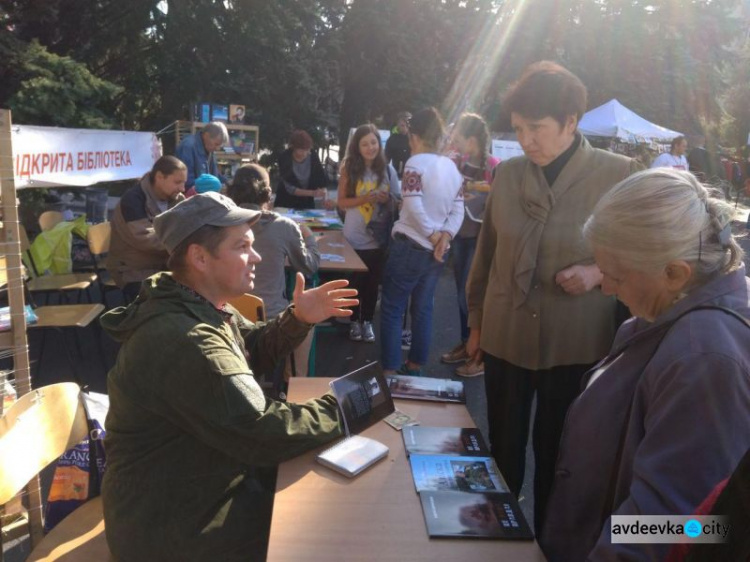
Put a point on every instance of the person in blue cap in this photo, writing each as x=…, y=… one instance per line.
x=203, y=184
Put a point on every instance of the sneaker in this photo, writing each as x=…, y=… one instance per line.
x=368, y=335
x=405, y=370
x=456, y=355
x=471, y=369
x=355, y=331
x=406, y=339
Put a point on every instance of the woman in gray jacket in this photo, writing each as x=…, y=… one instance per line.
x=277, y=239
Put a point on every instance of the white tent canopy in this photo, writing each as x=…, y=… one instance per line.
x=506, y=149
x=615, y=120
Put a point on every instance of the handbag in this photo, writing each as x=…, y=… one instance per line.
x=79, y=471
x=382, y=220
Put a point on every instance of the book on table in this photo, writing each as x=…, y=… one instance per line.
x=474, y=515
x=425, y=388
x=5, y=321
x=363, y=399
x=462, y=491
x=457, y=474
x=461, y=441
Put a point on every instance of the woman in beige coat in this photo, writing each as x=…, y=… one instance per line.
x=536, y=314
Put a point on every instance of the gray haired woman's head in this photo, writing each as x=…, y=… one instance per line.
x=664, y=215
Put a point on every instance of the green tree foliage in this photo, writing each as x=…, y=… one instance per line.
x=737, y=99
x=332, y=64
x=55, y=90
x=404, y=55
x=662, y=58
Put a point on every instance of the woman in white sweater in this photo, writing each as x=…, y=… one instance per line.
x=431, y=215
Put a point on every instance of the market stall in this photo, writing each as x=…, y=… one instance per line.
x=615, y=121
x=32, y=157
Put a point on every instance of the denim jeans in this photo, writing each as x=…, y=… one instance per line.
x=409, y=271
x=463, y=255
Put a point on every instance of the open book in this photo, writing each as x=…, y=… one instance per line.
x=364, y=399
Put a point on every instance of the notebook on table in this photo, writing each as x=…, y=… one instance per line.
x=364, y=399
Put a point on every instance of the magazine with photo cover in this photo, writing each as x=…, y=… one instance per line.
x=459, y=474
x=472, y=515
x=363, y=398
x=461, y=441
x=425, y=388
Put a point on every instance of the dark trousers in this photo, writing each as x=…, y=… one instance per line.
x=510, y=391
x=463, y=254
x=367, y=284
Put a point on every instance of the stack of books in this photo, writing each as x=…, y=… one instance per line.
x=461, y=489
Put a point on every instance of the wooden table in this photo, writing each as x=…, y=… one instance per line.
x=321, y=515
x=333, y=242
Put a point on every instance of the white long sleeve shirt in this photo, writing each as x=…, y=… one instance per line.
x=669, y=160
x=433, y=198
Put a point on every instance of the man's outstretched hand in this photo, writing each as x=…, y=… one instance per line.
x=331, y=299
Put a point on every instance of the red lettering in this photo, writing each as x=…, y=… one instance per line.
x=126, y=158
x=35, y=170
x=45, y=161
x=69, y=166
x=25, y=168
x=81, y=161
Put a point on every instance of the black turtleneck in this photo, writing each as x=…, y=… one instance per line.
x=553, y=169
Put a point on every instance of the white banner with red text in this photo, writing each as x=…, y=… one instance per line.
x=52, y=156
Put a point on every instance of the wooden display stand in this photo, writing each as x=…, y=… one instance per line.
x=242, y=137
x=15, y=340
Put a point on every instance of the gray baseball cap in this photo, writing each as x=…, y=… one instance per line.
x=179, y=222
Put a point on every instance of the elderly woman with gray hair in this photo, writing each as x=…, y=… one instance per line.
x=664, y=417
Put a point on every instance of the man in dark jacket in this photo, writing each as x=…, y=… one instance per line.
x=191, y=439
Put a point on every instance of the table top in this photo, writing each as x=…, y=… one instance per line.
x=67, y=315
x=334, y=243
x=321, y=515
x=315, y=219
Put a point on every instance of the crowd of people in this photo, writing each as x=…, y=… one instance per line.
x=645, y=417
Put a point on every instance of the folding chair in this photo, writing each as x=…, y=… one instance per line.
x=62, y=285
x=34, y=432
x=48, y=220
x=252, y=308
x=99, y=236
